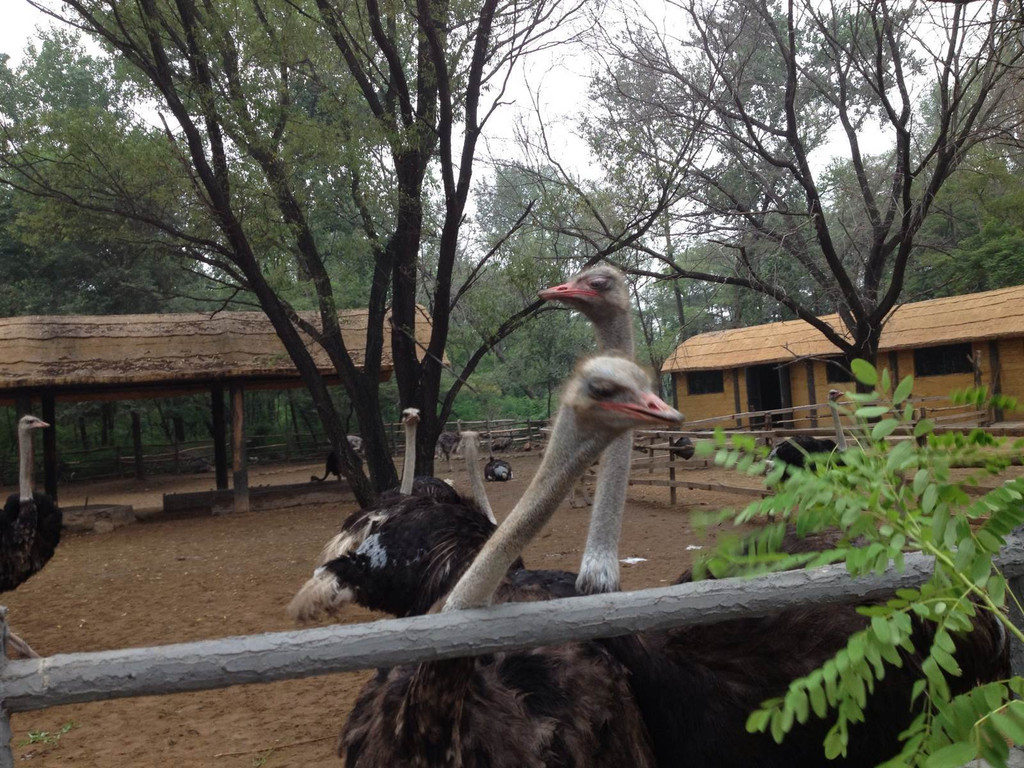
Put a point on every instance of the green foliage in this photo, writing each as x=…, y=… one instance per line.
x=888, y=497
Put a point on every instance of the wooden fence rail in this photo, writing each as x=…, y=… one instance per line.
x=81, y=677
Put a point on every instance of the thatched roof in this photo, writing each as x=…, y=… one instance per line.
x=976, y=316
x=84, y=352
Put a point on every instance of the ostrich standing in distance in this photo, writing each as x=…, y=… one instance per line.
x=31, y=524
x=601, y=294
x=561, y=706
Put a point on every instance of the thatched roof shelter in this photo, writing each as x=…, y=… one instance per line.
x=121, y=357
x=975, y=317
x=85, y=357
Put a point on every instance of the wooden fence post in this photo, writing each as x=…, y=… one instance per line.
x=671, y=474
x=6, y=736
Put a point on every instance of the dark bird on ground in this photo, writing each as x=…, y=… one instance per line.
x=331, y=466
x=500, y=444
x=682, y=446
x=31, y=524
x=563, y=706
x=497, y=470
x=795, y=451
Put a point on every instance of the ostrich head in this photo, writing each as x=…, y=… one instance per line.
x=596, y=292
x=613, y=395
x=834, y=395
x=28, y=421
x=411, y=416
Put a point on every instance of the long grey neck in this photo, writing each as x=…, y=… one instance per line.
x=409, y=466
x=26, y=457
x=615, y=334
x=570, y=451
x=599, y=567
x=471, y=453
x=840, y=435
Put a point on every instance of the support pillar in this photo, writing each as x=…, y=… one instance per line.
x=812, y=391
x=140, y=464
x=239, y=462
x=995, y=371
x=737, y=404
x=894, y=366
x=220, y=452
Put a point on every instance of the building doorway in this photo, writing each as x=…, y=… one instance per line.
x=768, y=390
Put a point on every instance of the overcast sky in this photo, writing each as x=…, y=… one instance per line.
x=18, y=26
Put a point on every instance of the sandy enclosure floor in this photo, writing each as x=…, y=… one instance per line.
x=174, y=581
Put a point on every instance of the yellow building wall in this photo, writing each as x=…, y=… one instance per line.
x=1011, y=363
x=696, y=407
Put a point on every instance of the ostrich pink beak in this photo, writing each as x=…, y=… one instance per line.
x=651, y=409
x=565, y=291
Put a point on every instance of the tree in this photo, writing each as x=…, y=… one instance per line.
x=768, y=91
x=301, y=142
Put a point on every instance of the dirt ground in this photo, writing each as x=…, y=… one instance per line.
x=172, y=581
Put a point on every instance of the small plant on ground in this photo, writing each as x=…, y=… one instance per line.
x=893, y=492
x=48, y=737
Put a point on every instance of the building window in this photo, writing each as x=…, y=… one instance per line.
x=704, y=382
x=940, y=361
x=837, y=372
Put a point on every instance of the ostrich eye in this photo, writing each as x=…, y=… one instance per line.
x=599, y=284
x=603, y=390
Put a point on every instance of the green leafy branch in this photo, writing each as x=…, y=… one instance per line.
x=891, y=492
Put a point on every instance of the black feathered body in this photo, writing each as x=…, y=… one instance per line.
x=795, y=450
x=729, y=668
x=497, y=470
x=29, y=534
x=330, y=468
x=411, y=557
x=682, y=446
x=565, y=707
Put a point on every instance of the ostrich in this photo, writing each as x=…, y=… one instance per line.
x=601, y=294
x=549, y=706
x=31, y=524
x=331, y=466
x=500, y=444
x=394, y=556
x=795, y=451
x=319, y=591
x=497, y=470
x=446, y=444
